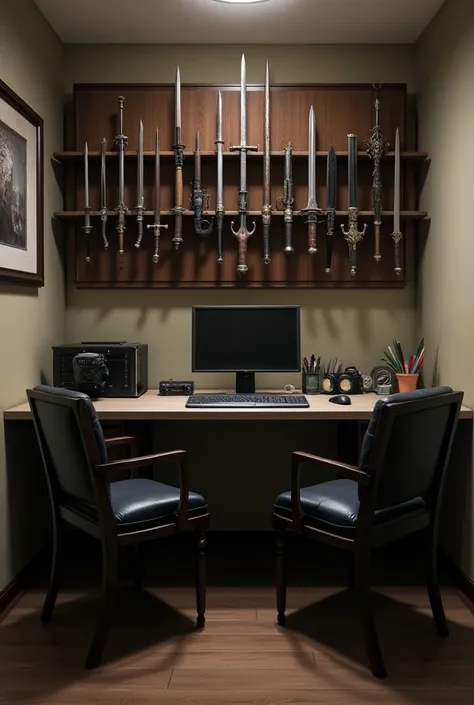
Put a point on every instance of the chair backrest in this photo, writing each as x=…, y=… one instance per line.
x=408, y=443
x=70, y=439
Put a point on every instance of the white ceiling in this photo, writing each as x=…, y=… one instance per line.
x=206, y=21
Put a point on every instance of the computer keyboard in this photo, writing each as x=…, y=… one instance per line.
x=237, y=401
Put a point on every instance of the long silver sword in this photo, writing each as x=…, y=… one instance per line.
x=141, y=200
x=157, y=204
x=312, y=210
x=376, y=148
x=220, y=180
x=103, y=194
x=87, y=208
x=397, y=235
x=121, y=140
x=243, y=234
x=267, y=207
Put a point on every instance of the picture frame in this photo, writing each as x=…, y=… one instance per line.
x=21, y=192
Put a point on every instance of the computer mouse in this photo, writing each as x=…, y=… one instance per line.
x=341, y=399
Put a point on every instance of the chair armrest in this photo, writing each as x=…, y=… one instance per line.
x=143, y=460
x=348, y=471
x=128, y=441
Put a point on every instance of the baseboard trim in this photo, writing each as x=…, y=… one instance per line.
x=12, y=592
x=463, y=582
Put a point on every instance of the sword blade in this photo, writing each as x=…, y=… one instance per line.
x=312, y=202
x=178, y=97
x=86, y=182
x=220, y=142
x=331, y=179
x=243, y=125
x=197, y=160
x=103, y=182
x=352, y=167
x=396, y=191
x=140, y=166
x=266, y=156
x=157, y=204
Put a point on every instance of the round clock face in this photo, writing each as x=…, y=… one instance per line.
x=382, y=375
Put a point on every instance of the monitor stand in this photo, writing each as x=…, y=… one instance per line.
x=245, y=382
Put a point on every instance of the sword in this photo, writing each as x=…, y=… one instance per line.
x=157, y=205
x=287, y=199
x=220, y=180
x=312, y=210
x=178, y=147
x=266, y=208
x=199, y=196
x=122, y=141
x=103, y=195
x=353, y=235
x=331, y=190
x=242, y=234
x=140, y=206
x=397, y=235
x=87, y=208
x=376, y=148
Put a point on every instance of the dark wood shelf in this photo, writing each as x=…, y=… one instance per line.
x=75, y=215
x=75, y=156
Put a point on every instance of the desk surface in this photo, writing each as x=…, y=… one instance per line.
x=152, y=407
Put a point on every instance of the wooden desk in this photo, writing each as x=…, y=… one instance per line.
x=152, y=407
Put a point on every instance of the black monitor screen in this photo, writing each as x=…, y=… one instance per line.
x=254, y=338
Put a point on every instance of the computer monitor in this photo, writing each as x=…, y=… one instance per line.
x=245, y=340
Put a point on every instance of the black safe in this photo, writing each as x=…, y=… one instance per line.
x=127, y=365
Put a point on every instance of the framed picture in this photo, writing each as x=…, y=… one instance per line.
x=21, y=191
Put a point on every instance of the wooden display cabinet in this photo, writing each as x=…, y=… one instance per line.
x=340, y=109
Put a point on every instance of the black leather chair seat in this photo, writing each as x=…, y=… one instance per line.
x=335, y=506
x=144, y=504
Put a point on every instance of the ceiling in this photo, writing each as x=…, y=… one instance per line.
x=210, y=22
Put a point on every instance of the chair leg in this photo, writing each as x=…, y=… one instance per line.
x=201, y=580
x=366, y=610
x=433, y=584
x=137, y=566
x=109, y=593
x=51, y=595
x=281, y=577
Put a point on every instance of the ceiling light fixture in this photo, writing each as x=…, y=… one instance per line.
x=241, y=2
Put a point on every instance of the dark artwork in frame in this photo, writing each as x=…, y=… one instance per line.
x=21, y=191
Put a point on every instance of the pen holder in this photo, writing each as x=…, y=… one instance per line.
x=407, y=383
x=311, y=382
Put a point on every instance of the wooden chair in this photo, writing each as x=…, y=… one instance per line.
x=395, y=490
x=82, y=492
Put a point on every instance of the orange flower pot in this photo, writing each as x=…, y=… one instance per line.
x=407, y=383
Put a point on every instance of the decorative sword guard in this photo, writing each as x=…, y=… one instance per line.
x=121, y=141
x=353, y=236
x=286, y=201
x=376, y=146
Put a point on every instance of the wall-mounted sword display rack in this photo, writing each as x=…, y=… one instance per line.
x=209, y=217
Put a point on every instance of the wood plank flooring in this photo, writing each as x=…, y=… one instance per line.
x=242, y=657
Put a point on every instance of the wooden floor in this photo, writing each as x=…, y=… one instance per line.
x=242, y=657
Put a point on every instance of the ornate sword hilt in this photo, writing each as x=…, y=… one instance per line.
x=220, y=229
x=353, y=236
x=103, y=227
x=87, y=231
x=122, y=211
x=242, y=235
x=199, y=203
x=310, y=215
x=157, y=227
x=266, y=219
x=397, y=237
x=140, y=211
